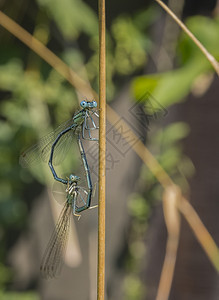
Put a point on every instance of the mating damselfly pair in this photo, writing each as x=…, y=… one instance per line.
x=52, y=149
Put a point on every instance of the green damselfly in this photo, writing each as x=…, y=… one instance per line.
x=78, y=198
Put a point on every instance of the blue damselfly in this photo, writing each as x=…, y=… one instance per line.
x=52, y=148
x=78, y=198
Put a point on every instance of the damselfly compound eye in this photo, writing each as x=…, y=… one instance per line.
x=94, y=103
x=83, y=104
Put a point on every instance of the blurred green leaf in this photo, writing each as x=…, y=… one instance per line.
x=6, y=132
x=170, y=158
x=138, y=207
x=172, y=86
x=19, y=296
x=171, y=134
x=5, y=276
x=69, y=16
x=10, y=73
x=206, y=30
x=133, y=288
x=129, y=52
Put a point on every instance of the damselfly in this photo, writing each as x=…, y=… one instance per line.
x=78, y=198
x=52, y=148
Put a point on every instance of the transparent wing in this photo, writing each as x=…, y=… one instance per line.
x=92, y=120
x=90, y=125
x=52, y=260
x=60, y=149
x=41, y=150
x=82, y=197
x=59, y=190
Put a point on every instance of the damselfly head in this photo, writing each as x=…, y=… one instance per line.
x=88, y=104
x=74, y=178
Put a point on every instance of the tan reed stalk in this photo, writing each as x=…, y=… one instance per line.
x=102, y=152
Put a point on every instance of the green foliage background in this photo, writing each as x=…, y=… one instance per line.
x=34, y=99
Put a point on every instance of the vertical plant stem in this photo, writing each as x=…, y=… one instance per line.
x=171, y=196
x=102, y=153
